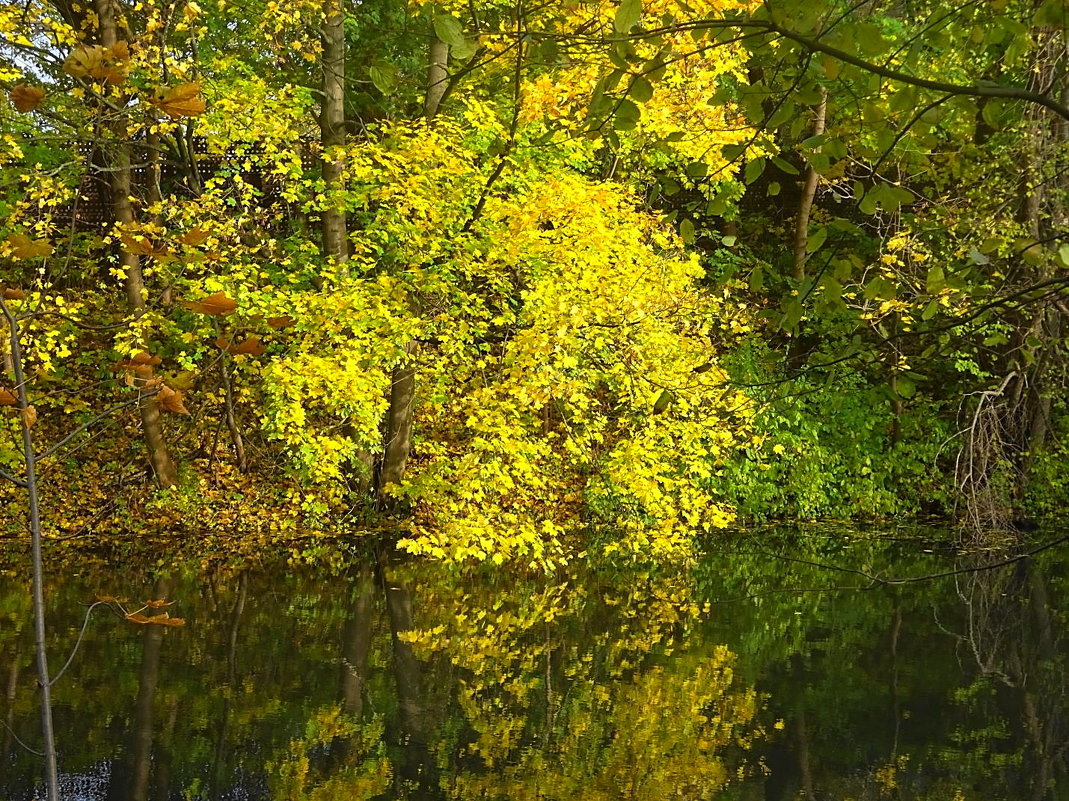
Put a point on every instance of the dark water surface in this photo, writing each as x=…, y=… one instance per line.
x=750, y=677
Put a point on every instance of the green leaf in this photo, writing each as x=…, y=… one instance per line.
x=754, y=168
x=930, y=310
x=697, y=169
x=464, y=52
x=449, y=30
x=1052, y=14
x=1063, y=255
x=792, y=314
x=774, y=189
x=627, y=15
x=757, y=279
x=686, y=230
x=816, y=239
x=785, y=166
x=904, y=386
x=664, y=400
x=728, y=241
x=384, y=77
x=936, y=280
x=627, y=115
x=641, y=89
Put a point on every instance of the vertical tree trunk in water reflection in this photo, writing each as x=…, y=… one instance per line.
x=418, y=769
x=9, y=696
x=223, y=733
x=356, y=643
x=130, y=777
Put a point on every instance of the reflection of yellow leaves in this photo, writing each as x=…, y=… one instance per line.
x=26, y=98
x=180, y=101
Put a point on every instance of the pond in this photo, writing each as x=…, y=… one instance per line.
x=775, y=669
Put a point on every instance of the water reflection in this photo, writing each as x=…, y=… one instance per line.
x=403, y=681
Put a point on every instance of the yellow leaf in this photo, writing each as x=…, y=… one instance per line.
x=179, y=101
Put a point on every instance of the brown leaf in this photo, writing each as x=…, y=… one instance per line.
x=166, y=620
x=29, y=416
x=144, y=357
x=26, y=98
x=280, y=322
x=217, y=305
x=179, y=101
x=14, y=294
x=194, y=236
x=250, y=347
x=120, y=51
x=22, y=247
x=170, y=400
x=107, y=599
x=137, y=617
x=159, y=604
x=7, y=398
x=142, y=246
x=134, y=368
x=107, y=64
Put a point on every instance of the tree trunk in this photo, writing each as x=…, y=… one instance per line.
x=403, y=377
x=332, y=129
x=120, y=183
x=809, y=192
x=44, y=680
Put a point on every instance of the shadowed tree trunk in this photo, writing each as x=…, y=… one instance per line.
x=403, y=377
x=418, y=768
x=332, y=129
x=118, y=163
x=809, y=192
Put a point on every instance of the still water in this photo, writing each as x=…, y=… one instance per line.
x=773, y=670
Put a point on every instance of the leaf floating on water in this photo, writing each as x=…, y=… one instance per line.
x=217, y=305
x=26, y=98
x=166, y=620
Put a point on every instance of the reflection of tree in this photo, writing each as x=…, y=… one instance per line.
x=1011, y=633
x=131, y=774
x=581, y=689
